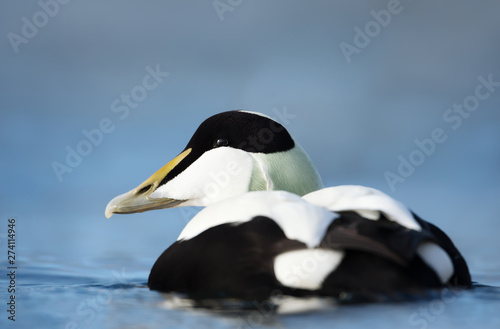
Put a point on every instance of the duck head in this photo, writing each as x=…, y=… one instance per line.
x=229, y=154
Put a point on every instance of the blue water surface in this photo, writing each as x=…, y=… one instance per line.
x=361, y=86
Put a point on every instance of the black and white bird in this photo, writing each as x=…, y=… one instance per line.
x=268, y=225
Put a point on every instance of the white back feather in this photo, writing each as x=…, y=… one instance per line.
x=364, y=200
x=297, y=218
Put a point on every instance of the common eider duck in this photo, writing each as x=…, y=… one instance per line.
x=269, y=225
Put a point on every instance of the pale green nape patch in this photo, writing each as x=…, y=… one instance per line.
x=290, y=171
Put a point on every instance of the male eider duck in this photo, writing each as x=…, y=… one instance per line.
x=269, y=226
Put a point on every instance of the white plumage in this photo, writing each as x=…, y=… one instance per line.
x=299, y=219
x=366, y=201
x=269, y=225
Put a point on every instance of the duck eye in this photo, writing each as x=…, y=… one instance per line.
x=221, y=142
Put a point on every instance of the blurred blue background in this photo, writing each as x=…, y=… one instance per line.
x=355, y=115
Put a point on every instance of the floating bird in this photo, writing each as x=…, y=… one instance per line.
x=269, y=226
